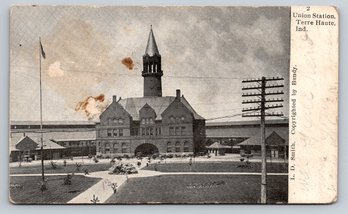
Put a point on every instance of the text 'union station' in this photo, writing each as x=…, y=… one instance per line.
x=152, y=123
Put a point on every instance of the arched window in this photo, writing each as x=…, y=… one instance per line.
x=115, y=149
x=169, y=147
x=186, y=146
x=177, y=146
x=124, y=148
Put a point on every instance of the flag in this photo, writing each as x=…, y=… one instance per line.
x=42, y=51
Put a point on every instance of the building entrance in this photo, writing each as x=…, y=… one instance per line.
x=146, y=149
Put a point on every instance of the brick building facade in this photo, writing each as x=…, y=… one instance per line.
x=152, y=123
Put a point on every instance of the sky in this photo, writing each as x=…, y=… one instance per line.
x=206, y=53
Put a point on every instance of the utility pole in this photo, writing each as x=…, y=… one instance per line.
x=260, y=85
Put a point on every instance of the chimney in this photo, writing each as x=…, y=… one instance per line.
x=114, y=99
x=178, y=94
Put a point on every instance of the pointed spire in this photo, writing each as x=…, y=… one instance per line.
x=151, y=48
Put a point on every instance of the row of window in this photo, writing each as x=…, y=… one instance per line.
x=116, y=121
x=148, y=131
x=173, y=119
x=151, y=131
x=115, y=132
x=178, y=130
x=76, y=143
x=113, y=148
x=171, y=147
x=152, y=68
x=146, y=121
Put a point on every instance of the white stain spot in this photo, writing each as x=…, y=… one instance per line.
x=99, y=61
x=54, y=70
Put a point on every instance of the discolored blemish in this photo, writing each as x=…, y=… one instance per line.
x=128, y=62
x=92, y=106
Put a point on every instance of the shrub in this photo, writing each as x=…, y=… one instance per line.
x=123, y=168
x=96, y=160
x=114, y=187
x=86, y=171
x=54, y=165
x=113, y=161
x=78, y=166
x=67, y=180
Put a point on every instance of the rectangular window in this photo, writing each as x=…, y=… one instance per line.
x=114, y=132
x=183, y=130
x=151, y=131
x=159, y=130
x=147, y=131
x=142, y=131
x=120, y=132
x=177, y=130
x=171, y=130
x=109, y=132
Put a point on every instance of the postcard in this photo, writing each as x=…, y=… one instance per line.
x=173, y=105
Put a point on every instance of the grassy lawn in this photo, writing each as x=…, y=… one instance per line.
x=200, y=189
x=216, y=167
x=26, y=190
x=36, y=169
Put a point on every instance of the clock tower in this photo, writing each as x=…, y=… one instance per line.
x=152, y=71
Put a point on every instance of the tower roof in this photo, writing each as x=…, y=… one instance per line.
x=151, y=47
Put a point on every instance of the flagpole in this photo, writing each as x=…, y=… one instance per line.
x=42, y=153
